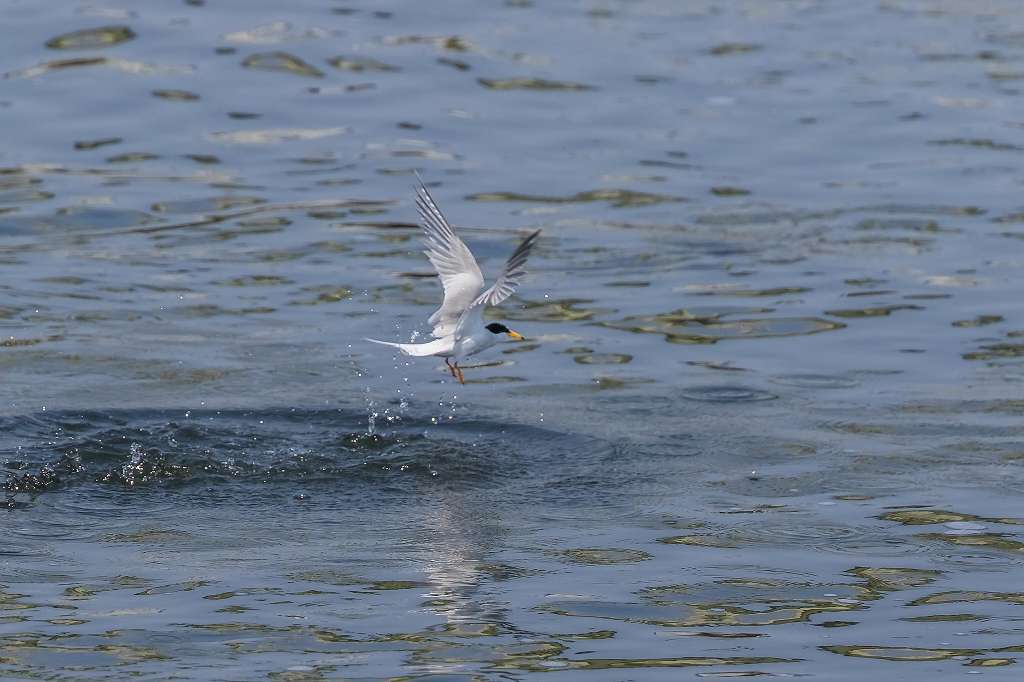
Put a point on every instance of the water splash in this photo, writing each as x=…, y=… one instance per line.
x=136, y=454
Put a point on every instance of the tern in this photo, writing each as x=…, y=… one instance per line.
x=459, y=329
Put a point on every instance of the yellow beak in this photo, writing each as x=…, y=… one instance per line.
x=516, y=335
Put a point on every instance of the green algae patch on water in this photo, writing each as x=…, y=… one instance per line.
x=243, y=591
x=187, y=586
x=683, y=662
x=877, y=311
x=255, y=281
x=541, y=84
x=91, y=38
x=205, y=159
x=325, y=293
x=602, y=358
x=922, y=517
x=24, y=195
x=83, y=591
x=586, y=636
x=729, y=191
x=132, y=157
x=714, y=541
x=882, y=579
x=895, y=653
x=503, y=572
x=981, y=540
x=89, y=591
x=903, y=223
x=997, y=351
x=694, y=327
x=552, y=310
x=990, y=662
x=282, y=62
x=837, y=623
x=86, y=144
x=742, y=291
x=385, y=585
x=12, y=342
x=176, y=95
x=946, y=618
x=359, y=64
x=978, y=143
x=274, y=135
x=726, y=49
x=235, y=608
x=630, y=612
x=978, y=321
x=719, y=366
x=520, y=348
x=466, y=630
x=123, y=65
x=618, y=198
x=604, y=557
x=205, y=205
x=965, y=596
x=494, y=379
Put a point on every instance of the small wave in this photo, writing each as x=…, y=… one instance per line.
x=271, y=452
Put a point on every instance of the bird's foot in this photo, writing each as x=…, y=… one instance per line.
x=450, y=368
x=461, y=377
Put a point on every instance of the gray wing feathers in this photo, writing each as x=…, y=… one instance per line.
x=460, y=275
x=515, y=268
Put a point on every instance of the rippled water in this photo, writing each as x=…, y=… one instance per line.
x=767, y=421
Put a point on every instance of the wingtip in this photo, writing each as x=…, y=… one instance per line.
x=424, y=201
x=530, y=239
x=422, y=190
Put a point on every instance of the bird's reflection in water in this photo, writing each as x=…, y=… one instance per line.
x=465, y=535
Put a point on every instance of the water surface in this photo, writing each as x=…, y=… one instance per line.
x=767, y=421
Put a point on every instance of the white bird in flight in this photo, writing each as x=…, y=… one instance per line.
x=459, y=328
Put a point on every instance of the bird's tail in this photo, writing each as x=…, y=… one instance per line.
x=414, y=349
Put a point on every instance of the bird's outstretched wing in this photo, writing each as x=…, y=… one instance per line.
x=508, y=280
x=460, y=275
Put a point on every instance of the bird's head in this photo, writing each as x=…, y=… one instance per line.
x=498, y=328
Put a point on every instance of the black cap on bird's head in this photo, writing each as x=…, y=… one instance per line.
x=498, y=328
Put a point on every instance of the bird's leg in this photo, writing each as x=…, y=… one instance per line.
x=461, y=377
x=450, y=368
